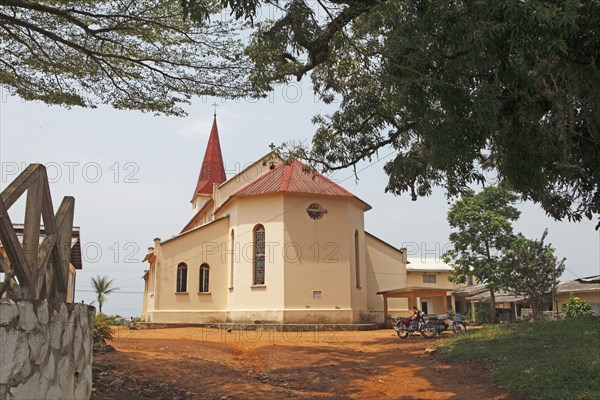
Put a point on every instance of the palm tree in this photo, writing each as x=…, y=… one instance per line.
x=102, y=286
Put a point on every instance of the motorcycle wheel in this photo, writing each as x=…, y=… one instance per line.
x=428, y=330
x=402, y=332
x=459, y=327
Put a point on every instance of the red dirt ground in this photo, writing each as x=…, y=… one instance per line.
x=205, y=363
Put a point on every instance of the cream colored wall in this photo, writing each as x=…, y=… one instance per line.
x=415, y=278
x=319, y=257
x=435, y=305
x=149, y=288
x=385, y=271
x=145, y=299
x=245, y=176
x=199, y=201
x=358, y=292
x=205, y=245
x=200, y=218
x=246, y=301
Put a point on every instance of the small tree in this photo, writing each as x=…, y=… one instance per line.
x=483, y=231
x=103, y=330
x=577, y=307
x=483, y=312
x=103, y=287
x=530, y=269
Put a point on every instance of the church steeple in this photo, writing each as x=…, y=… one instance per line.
x=213, y=170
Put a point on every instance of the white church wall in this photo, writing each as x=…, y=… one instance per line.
x=198, y=202
x=204, y=245
x=386, y=270
x=318, y=277
x=359, y=287
x=249, y=302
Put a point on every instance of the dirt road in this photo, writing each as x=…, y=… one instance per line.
x=203, y=363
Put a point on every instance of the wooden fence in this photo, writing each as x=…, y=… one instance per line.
x=38, y=267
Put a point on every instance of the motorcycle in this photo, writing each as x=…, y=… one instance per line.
x=447, y=321
x=415, y=323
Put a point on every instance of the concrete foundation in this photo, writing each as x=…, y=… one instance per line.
x=46, y=350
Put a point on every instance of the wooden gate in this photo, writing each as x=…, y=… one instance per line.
x=36, y=269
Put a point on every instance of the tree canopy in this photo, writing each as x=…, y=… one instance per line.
x=131, y=54
x=530, y=269
x=456, y=88
x=482, y=234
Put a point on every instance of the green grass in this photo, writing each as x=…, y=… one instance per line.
x=545, y=360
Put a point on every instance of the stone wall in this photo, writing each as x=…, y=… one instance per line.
x=45, y=350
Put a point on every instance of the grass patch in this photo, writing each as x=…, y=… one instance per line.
x=544, y=360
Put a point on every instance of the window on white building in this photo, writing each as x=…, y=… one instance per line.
x=259, y=255
x=204, y=278
x=182, y=278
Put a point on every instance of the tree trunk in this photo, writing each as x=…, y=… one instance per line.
x=100, y=307
x=493, y=305
x=534, y=311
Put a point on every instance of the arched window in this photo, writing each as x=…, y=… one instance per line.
x=259, y=255
x=232, y=255
x=182, y=278
x=204, y=278
x=357, y=258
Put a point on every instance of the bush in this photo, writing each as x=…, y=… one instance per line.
x=483, y=313
x=576, y=307
x=103, y=330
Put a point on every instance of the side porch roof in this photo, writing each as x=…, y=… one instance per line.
x=415, y=291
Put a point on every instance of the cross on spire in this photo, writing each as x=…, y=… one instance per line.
x=215, y=105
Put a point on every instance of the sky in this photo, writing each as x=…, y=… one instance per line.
x=133, y=176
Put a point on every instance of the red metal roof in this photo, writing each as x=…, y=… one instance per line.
x=294, y=177
x=213, y=170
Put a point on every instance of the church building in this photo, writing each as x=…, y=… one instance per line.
x=275, y=243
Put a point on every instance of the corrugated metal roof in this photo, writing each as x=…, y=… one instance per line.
x=427, y=265
x=500, y=296
x=294, y=177
x=589, y=284
x=430, y=290
x=471, y=290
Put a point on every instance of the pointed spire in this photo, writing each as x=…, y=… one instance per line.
x=213, y=170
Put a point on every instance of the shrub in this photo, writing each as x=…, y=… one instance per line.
x=483, y=313
x=466, y=318
x=576, y=307
x=103, y=330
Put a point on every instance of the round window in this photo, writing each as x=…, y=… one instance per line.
x=315, y=211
